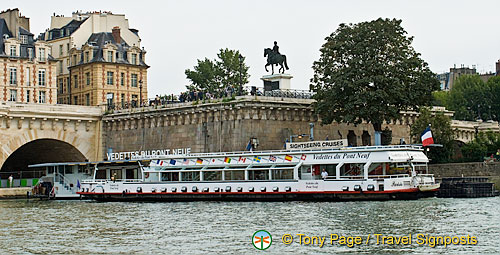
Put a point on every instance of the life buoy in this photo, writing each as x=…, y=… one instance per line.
x=146, y=175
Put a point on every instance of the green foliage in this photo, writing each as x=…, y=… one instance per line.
x=473, y=152
x=441, y=133
x=493, y=90
x=440, y=98
x=370, y=72
x=469, y=98
x=216, y=75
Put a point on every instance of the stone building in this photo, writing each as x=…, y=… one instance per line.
x=27, y=72
x=66, y=33
x=106, y=70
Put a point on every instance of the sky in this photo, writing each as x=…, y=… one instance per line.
x=177, y=33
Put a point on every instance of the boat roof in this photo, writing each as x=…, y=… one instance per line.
x=87, y=163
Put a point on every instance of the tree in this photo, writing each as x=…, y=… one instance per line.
x=441, y=134
x=440, y=98
x=228, y=70
x=370, y=72
x=469, y=98
x=493, y=87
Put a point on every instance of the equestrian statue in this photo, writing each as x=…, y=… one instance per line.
x=274, y=57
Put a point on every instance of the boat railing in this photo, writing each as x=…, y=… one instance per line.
x=102, y=181
x=357, y=177
x=270, y=152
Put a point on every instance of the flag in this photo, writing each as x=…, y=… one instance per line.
x=288, y=158
x=159, y=162
x=272, y=158
x=303, y=157
x=199, y=161
x=242, y=159
x=427, y=137
x=186, y=161
x=227, y=160
x=173, y=161
x=249, y=146
x=256, y=158
x=78, y=184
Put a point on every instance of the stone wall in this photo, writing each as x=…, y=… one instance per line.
x=228, y=126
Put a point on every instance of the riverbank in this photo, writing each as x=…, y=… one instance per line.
x=19, y=192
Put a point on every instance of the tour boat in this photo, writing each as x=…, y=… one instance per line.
x=350, y=173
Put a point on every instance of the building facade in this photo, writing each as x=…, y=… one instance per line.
x=27, y=70
x=107, y=71
x=67, y=33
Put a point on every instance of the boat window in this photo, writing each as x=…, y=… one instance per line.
x=378, y=169
x=330, y=169
x=191, y=176
x=100, y=174
x=258, y=175
x=352, y=169
x=68, y=169
x=212, y=175
x=282, y=174
x=398, y=168
x=234, y=175
x=117, y=173
x=170, y=176
x=131, y=174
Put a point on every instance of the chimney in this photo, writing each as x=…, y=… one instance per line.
x=116, y=34
x=498, y=67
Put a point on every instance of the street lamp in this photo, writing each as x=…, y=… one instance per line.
x=140, y=93
x=240, y=57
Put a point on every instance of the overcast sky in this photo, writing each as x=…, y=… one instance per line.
x=177, y=33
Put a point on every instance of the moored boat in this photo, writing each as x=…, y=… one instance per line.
x=352, y=173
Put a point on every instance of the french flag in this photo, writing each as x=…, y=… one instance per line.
x=427, y=137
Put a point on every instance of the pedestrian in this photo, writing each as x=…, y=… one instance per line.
x=11, y=181
x=324, y=174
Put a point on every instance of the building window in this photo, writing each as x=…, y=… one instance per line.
x=41, y=56
x=60, y=50
x=41, y=97
x=133, y=80
x=13, y=76
x=87, y=76
x=75, y=81
x=67, y=47
x=28, y=76
x=86, y=57
x=110, y=56
x=13, y=95
x=110, y=78
x=87, y=99
x=13, y=50
x=60, y=66
x=30, y=53
x=24, y=39
x=134, y=59
x=41, y=77
x=123, y=100
x=28, y=92
x=122, y=79
x=61, y=85
x=75, y=98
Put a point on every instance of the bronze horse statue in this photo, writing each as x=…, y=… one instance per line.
x=274, y=58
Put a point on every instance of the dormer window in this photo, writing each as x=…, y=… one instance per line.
x=13, y=50
x=41, y=55
x=110, y=56
x=24, y=39
x=133, y=59
x=86, y=57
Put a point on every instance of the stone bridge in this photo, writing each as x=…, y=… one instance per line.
x=38, y=133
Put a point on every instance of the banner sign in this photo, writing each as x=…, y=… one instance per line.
x=317, y=145
x=147, y=154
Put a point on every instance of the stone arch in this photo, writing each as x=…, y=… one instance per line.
x=59, y=137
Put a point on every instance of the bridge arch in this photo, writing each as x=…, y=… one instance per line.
x=43, y=146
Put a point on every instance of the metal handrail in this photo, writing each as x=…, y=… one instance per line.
x=272, y=152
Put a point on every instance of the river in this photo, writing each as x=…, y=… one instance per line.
x=87, y=227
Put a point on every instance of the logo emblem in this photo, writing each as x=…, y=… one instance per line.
x=262, y=240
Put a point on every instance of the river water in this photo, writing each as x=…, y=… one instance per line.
x=87, y=227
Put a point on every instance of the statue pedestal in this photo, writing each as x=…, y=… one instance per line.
x=276, y=81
